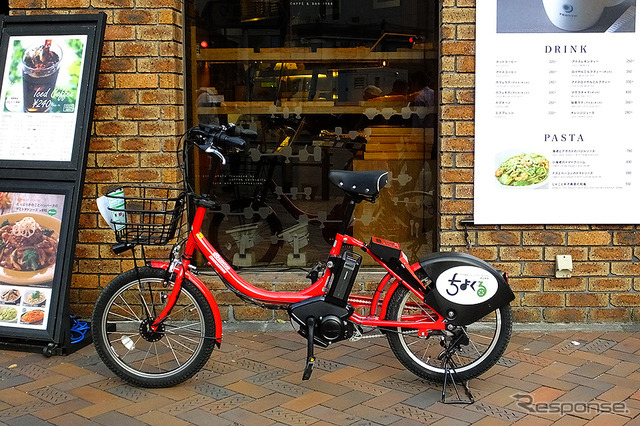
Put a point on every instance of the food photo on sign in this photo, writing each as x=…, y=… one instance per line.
x=40, y=95
x=520, y=169
x=29, y=241
x=566, y=16
x=43, y=74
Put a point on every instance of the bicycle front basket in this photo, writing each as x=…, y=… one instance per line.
x=147, y=215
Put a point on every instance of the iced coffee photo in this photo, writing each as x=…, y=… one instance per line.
x=39, y=96
x=42, y=74
x=40, y=67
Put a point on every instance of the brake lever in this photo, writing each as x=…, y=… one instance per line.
x=212, y=150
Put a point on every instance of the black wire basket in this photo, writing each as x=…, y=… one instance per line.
x=146, y=215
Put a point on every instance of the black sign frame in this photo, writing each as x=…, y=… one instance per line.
x=60, y=272
x=84, y=37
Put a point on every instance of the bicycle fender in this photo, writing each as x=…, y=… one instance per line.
x=207, y=294
x=463, y=288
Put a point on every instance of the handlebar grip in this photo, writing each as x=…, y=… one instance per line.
x=231, y=130
x=232, y=141
x=245, y=133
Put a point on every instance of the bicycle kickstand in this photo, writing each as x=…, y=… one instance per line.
x=451, y=373
x=311, y=359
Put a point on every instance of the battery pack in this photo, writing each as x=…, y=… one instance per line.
x=344, y=275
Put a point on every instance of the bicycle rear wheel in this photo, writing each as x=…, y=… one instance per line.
x=484, y=341
x=124, y=340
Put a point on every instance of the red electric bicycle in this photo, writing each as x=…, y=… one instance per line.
x=156, y=325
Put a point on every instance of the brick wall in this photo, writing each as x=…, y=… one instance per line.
x=605, y=283
x=139, y=115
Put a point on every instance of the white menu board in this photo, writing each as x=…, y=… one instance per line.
x=39, y=97
x=557, y=112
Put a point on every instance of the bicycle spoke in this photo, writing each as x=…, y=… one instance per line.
x=119, y=339
x=194, y=341
x=123, y=317
x=176, y=312
x=146, y=355
x=415, y=342
x=144, y=302
x=129, y=307
x=425, y=356
x=168, y=344
x=187, y=348
x=187, y=327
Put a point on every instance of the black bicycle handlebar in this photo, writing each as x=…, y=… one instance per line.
x=229, y=129
x=244, y=133
x=229, y=136
x=232, y=141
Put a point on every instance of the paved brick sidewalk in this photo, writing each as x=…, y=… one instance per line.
x=255, y=379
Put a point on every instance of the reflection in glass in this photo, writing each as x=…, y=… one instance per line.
x=327, y=84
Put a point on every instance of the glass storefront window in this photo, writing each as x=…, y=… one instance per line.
x=327, y=84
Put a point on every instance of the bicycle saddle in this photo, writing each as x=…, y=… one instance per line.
x=367, y=183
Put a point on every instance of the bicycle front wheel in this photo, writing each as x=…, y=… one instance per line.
x=123, y=338
x=483, y=342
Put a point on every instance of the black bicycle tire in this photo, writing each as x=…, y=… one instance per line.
x=100, y=333
x=437, y=374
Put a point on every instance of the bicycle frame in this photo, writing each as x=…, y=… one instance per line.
x=376, y=305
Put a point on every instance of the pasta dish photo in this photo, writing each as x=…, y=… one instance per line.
x=35, y=316
x=523, y=170
x=28, y=246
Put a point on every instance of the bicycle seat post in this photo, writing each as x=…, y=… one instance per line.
x=348, y=214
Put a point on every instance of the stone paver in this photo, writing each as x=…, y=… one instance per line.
x=559, y=378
